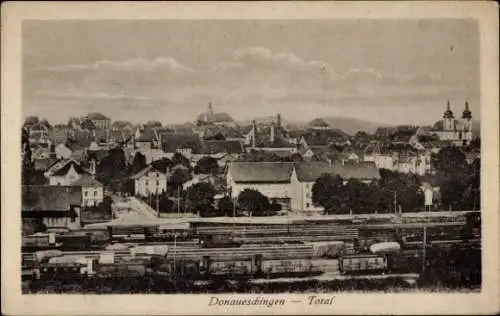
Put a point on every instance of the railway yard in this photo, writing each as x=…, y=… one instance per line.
x=190, y=254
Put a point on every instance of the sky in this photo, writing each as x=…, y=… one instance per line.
x=387, y=71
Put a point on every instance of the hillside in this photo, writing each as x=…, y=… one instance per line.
x=351, y=125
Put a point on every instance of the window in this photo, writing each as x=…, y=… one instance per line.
x=147, y=182
x=157, y=183
x=73, y=219
x=308, y=205
x=86, y=193
x=95, y=193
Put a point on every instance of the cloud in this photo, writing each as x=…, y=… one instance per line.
x=99, y=95
x=255, y=78
x=261, y=58
x=135, y=65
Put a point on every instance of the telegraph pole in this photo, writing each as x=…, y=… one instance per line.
x=157, y=205
x=395, y=202
x=178, y=202
x=424, y=248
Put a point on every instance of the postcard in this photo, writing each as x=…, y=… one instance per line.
x=216, y=158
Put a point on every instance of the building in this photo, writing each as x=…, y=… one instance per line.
x=305, y=175
x=290, y=184
x=187, y=145
x=65, y=172
x=150, y=180
x=272, y=179
x=55, y=206
x=211, y=118
x=99, y=120
x=146, y=138
x=450, y=129
x=92, y=190
x=270, y=137
x=62, y=151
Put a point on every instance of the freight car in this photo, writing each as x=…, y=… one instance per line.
x=359, y=264
x=39, y=241
x=209, y=268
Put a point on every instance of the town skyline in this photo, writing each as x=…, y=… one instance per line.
x=251, y=69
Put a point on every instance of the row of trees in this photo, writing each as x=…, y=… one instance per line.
x=200, y=199
x=392, y=192
x=460, y=182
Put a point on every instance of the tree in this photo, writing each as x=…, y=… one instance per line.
x=450, y=160
x=458, y=182
x=226, y=206
x=201, y=197
x=107, y=205
x=327, y=192
x=475, y=143
x=87, y=124
x=112, y=171
x=178, y=178
x=139, y=163
x=28, y=168
x=162, y=164
x=404, y=187
x=153, y=124
x=178, y=158
x=207, y=165
x=30, y=121
x=253, y=202
x=165, y=205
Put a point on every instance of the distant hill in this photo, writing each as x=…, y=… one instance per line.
x=260, y=120
x=351, y=125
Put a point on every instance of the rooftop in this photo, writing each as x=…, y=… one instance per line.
x=271, y=172
x=87, y=181
x=50, y=197
x=309, y=172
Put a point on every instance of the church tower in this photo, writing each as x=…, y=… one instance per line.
x=467, y=122
x=448, y=119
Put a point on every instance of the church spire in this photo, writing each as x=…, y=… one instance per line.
x=467, y=113
x=448, y=113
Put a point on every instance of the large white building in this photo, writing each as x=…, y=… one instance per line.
x=70, y=173
x=92, y=190
x=291, y=184
x=65, y=172
x=272, y=179
x=149, y=181
x=450, y=129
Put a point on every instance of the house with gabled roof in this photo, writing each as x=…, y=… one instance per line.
x=146, y=138
x=92, y=190
x=65, y=172
x=55, y=206
x=150, y=180
x=99, y=120
x=290, y=184
x=270, y=178
x=62, y=151
x=305, y=175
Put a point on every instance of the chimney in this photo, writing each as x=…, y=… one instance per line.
x=254, y=133
x=272, y=137
x=278, y=122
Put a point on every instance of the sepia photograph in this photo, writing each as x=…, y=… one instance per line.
x=262, y=156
